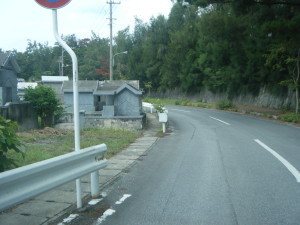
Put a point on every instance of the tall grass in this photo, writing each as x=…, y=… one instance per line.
x=40, y=145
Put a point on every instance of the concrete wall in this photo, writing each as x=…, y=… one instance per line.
x=264, y=98
x=120, y=123
x=85, y=99
x=22, y=113
x=128, y=104
x=108, y=111
x=8, y=84
x=96, y=121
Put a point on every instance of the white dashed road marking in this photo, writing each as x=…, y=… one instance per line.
x=106, y=214
x=220, y=120
x=123, y=199
x=179, y=110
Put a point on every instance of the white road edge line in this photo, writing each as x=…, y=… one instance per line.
x=289, y=166
x=123, y=199
x=69, y=219
x=95, y=201
x=179, y=110
x=106, y=214
x=220, y=120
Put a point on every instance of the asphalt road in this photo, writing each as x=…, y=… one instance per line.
x=215, y=168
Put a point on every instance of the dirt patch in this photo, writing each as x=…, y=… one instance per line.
x=259, y=109
x=47, y=131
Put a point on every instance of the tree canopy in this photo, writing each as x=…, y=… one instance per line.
x=45, y=103
x=230, y=46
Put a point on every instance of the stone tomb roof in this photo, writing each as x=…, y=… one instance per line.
x=103, y=87
x=8, y=62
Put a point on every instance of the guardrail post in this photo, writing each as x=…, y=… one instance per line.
x=95, y=192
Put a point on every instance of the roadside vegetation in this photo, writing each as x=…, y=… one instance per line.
x=9, y=143
x=45, y=103
x=283, y=113
x=46, y=143
x=158, y=101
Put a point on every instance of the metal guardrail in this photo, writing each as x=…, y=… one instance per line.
x=24, y=183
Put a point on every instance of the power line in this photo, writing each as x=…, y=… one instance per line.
x=99, y=20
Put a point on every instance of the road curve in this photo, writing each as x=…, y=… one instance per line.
x=214, y=170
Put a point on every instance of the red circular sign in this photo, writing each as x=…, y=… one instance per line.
x=53, y=4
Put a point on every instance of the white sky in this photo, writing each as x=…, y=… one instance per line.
x=25, y=19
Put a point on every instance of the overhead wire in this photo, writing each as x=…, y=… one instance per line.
x=99, y=20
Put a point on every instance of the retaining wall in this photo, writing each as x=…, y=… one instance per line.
x=264, y=98
x=88, y=121
x=22, y=113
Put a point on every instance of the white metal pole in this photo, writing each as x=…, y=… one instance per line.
x=75, y=96
x=62, y=61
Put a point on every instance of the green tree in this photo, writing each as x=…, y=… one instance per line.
x=176, y=48
x=37, y=60
x=284, y=54
x=123, y=42
x=148, y=85
x=94, y=62
x=45, y=103
x=8, y=141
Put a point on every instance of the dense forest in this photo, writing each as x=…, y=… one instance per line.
x=232, y=46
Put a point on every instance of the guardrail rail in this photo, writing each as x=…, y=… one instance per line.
x=24, y=183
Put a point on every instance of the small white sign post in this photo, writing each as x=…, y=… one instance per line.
x=163, y=118
x=54, y=5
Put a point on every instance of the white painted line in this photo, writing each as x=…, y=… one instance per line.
x=220, y=120
x=123, y=199
x=69, y=219
x=289, y=166
x=179, y=110
x=95, y=201
x=103, y=194
x=106, y=214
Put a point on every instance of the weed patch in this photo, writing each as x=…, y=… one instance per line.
x=290, y=117
x=47, y=143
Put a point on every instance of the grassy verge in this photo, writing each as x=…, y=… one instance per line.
x=157, y=101
x=229, y=106
x=290, y=117
x=43, y=144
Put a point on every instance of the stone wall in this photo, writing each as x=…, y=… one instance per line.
x=264, y=98
x=22, y=113
x=88, y=121
x=115, y=123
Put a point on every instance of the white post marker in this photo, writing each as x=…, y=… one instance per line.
x=163, y=118
x=54, y=5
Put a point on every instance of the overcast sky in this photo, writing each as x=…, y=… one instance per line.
x=25, y=19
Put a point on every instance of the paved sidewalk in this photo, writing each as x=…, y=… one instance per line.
x=50, y=205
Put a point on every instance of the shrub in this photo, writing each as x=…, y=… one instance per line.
x=290, y=117
x=160, y=108
x=285, y=107
x=8, y=141
x=45, y=103
x=225, y=105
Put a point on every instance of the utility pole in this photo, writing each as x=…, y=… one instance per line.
x=61, y=63
x=111, y=3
